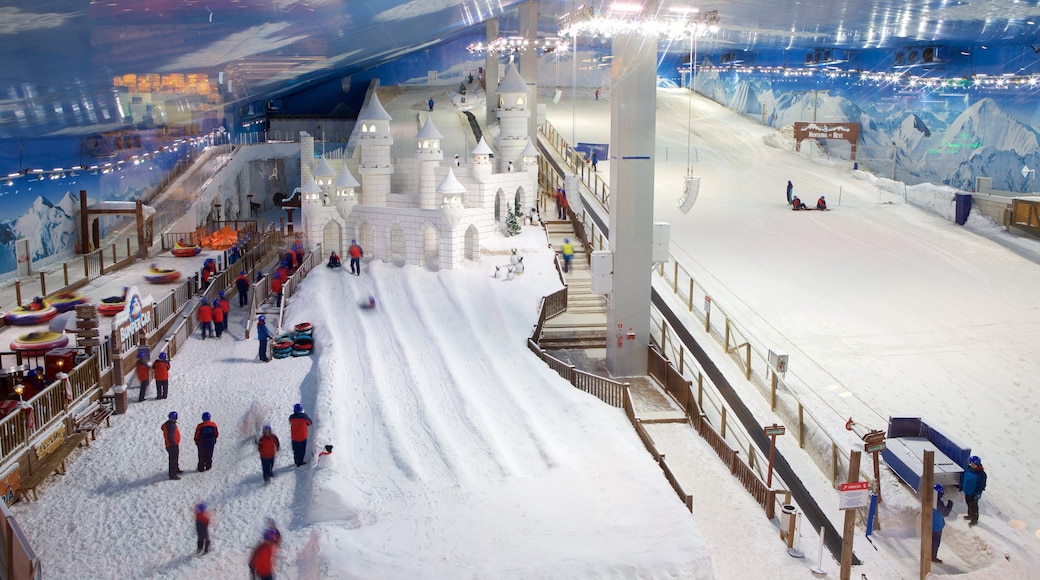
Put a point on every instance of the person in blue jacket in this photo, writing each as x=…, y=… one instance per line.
x=206, y=434
x=973, y=483
x=262, y=335
x=939, y=513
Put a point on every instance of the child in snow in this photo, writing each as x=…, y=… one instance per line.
x=202, y=529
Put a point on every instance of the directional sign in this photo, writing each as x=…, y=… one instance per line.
x=774, y=430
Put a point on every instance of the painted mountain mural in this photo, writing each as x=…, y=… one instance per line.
x=50, y=227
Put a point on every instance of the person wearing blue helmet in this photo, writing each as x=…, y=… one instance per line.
x=161, y=373
x=202, y=528
x=939, y=514
x=973, y=483
x=206, y=434
x=262, y=335
x=217, y=311
x=567, y=249
x=299, y=429
x=242, y=285
x=172, y=440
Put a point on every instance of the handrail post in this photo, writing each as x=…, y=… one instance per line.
x=43, y=284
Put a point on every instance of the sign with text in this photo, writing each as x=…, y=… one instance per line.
x=845, y=131
x=854, y=495
x=773, y=430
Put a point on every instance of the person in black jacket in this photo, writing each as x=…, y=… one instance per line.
x=206, y=434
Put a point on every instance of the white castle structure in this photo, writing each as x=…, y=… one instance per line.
x=420, y=210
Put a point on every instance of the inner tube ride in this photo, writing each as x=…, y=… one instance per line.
x=185, y=251
x=304, y=329
x=23, y=316
x=302, y=346
x=111, y=306
x=67, y=301
x=162, y=275
x=39, y=342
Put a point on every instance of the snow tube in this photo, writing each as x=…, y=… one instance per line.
x=67, y=301
x=304, y=329
x=23, y=316
x=162, y=275
x=296, y=352
x=303, y=343
x=38, y=343
x=285, y=354
x=184, y=251
x=281, y=345
x=111, y=306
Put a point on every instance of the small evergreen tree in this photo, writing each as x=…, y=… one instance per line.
x=462, y=88
x=512, y=225
x=516, y=208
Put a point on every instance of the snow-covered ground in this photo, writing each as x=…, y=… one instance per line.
x=458, y=455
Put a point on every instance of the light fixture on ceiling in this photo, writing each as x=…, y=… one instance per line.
x=508, y=44
x=672, y=25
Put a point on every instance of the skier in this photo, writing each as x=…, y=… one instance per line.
x=821, y=204
x=144, y=376
x=790, y=189
x=261, y=561
x=299, y=428
x=939, y=513
x=242, y=285
x=268, y=446
x=206, y=434
x=172, y=440
x=161, y=369
x=205, y=318
x=202, y=529
x=973, y=483
x=262, y=335
x=355, y=253
x=217, y=313
x=568, y=253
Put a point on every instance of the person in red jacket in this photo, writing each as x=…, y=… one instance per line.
x=206, y=434
x=261, y=561
x=268, y=445
x=172, y=440
x=202, y=529
x=205, y=318
x=218, y=317
x=242, y=285
x=355, y=253
x=299, y=428
x=224, y=304
x=161, y=370
x=144, y=376
x=276, y=286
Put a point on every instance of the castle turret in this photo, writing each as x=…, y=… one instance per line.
x=529, y=158
x=376, y=144
x=344, y=188
x=311, y=196
x=430, y=156
x=323, y=175
x=451, y=191
x=482, y=161
x=513, y=116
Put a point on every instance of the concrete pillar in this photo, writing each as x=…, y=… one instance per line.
x=491, y=73
x=528, y=12
x=632, y=133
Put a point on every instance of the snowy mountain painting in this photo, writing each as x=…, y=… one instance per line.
x=50, y=228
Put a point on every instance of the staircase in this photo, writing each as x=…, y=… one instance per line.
x=584, y=324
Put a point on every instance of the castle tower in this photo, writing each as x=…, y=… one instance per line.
x=306, y=154
x=311, y=196
x=376, y=144
x=513, y=116
x=344, y=188
x=323, y=175
x=529, y=158
x=482, y=161
x=430, y=156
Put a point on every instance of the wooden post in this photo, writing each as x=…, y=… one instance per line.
x=772, y=389
x=65, y=269
x=43, y=284
x=86, y=267
x=18, y=292
x=925, y=488
x=772, y=431
x=849, y=531
x=84, y=224
x=142, y=244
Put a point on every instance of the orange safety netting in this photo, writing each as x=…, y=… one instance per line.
x=221, y=239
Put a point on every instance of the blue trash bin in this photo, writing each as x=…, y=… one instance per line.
x=963, y=208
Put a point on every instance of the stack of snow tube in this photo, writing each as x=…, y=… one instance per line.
x=282, y=346
x=303, y=343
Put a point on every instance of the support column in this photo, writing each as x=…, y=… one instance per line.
x=490, y=74
x=632, y=134
x=528, y=12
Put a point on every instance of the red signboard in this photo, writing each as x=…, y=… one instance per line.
x=855, y=486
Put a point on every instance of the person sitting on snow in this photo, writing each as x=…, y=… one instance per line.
x=334, y=260
x=821, y=203
x=797, y=203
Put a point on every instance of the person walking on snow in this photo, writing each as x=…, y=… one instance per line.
x=430, y=103
x=276, y=286
x=202, y=529
x=299, y=428
x=218, y=318
x=224, y=305
x=242, y=285
x=790, y=190
x=261, y=561
x=144, y=376
x=172, y=440
x=161, y=370
x=205, y=318
x=939, y=513
x=594, y=161
x=206, y=434
x=355, y=257
x=262, y=335
x=268, y=446
x=973, y=483
x=568, y=252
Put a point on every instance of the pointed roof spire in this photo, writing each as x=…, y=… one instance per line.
x=451, y=184
x=374, y=111
x=482, y=148
x=429, y=131
x=512, y=82
x=310, y=187
x=323, y=169
x=529, y=150
x=345, y=179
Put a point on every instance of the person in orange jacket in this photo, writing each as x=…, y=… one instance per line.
x=172, y=440
x=202, y=520
x=299, y=428
x=276, y=287
x=224, y=304
x=268, y=445
x=356, y=253
x=205, y=318
x=218, y=317
x=261, y=561
x=143, y=376
x=161, y=370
